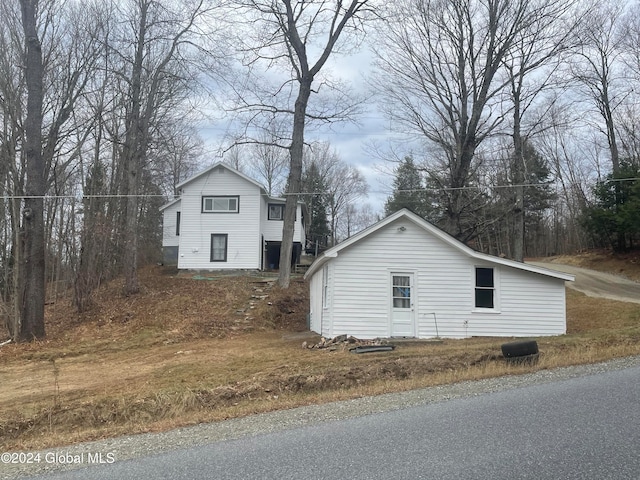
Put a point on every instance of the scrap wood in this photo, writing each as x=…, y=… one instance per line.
x=344, y=342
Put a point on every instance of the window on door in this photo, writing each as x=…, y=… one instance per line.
x=219, y=247
x=401, y=291
x=485, y=288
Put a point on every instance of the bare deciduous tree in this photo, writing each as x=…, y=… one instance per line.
x=441, y=75
x=597, y=67
x=32, y=265
x=269, y=162
x=531, y=64
x=357, y=218
x=155, y=78
x=299, y=36
x=344, y=184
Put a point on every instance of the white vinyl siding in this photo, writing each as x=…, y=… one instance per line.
x=169, y=225
x=530, y=304
x=318, y=315
x=242, y=228
x=272, y=229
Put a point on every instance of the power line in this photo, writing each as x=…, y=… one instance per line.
x=151, y=195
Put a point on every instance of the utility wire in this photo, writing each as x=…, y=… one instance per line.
x=150, y=195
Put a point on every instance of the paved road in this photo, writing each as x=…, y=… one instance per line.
x=578, y=428
x=598, y=284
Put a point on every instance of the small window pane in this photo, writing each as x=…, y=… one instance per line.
x=484, y=298
x=220, y=204
x=208, y=203
x=484, y=277
x=401, y=281
x=401, y=303
x=233, y=204
x=401, y=292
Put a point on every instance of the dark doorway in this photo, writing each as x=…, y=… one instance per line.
x=272, y=254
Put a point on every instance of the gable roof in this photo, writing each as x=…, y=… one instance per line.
x=334, y=252
x=229, y=168
x=263, y=190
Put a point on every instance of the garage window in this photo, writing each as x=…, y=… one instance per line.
x=485, y=288
x=325, y=286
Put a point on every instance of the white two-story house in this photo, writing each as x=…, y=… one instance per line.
x=223, y=219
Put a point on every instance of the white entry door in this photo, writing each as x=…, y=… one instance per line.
x=402, y=311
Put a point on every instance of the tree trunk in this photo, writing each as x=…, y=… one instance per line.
x=294, y=181
x=131, y=285
x=518, y=179
x=33, y=257
x=459, y=173
x=131, y=157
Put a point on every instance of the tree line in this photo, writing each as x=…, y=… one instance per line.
x=526, y=115
x=521, y=116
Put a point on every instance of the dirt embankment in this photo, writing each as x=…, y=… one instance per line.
x=597, y=284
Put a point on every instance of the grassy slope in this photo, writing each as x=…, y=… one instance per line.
x=189, y=350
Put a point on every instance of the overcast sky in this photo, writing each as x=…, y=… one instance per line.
x=353, y=142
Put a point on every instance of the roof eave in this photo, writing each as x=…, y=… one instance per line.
x=333, y=251
x=169, y=204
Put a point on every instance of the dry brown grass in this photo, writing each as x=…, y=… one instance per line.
x=187, y=351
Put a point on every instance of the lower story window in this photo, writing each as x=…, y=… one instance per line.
x=219, y=243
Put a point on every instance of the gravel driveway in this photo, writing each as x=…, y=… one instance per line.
x=597, y=284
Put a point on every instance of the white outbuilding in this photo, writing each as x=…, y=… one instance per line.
x=404, y=277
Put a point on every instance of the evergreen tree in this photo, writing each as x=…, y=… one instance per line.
x=614, y=219
x=502, y=212
x=408, y=190
x=315, y=198
x=538, y=194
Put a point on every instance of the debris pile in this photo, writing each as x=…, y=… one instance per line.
x=345, y=342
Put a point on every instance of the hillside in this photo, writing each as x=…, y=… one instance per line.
x=624, y=264
x=176, y=307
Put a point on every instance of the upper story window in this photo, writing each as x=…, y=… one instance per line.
x=220, y=204
x=276, y=211
x=485, y=288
